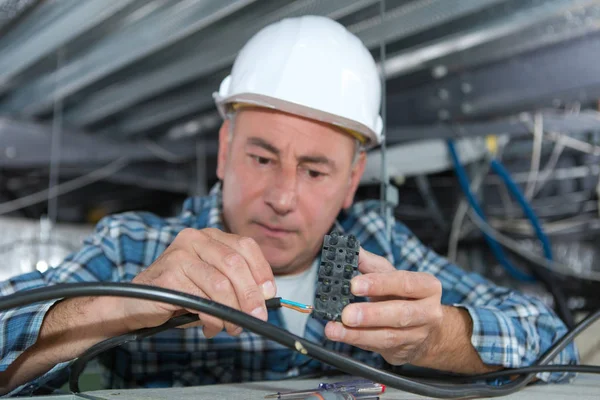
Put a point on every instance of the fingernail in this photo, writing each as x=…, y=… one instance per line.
x=354, y=317
x=237, y=331
x=359, y=286
x=268, y=289
x=260, y=313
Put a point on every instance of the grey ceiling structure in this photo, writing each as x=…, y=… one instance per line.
x=115, y=75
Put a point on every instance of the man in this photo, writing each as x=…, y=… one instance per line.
x=300, y=106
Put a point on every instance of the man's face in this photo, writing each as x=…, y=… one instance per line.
x=285, y=179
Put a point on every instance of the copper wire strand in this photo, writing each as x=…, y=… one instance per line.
x=306, y=310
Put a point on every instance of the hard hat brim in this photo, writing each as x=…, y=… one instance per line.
x=364, y=134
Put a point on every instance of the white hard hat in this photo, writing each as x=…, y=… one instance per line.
x=309, y=66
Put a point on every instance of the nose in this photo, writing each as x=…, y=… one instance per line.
x=281, y=196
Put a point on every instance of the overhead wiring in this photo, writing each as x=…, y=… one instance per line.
x=558, y=149
x=574, y=143
x=434, y=208
x=523, y=227
x=82, y=181
x=494, y=246
x=499, y=169
x=283, y=337
x=461, y=211
x=164, y=154
x=65, y=187
x=569, y=141
x=527, y=254
x=544, y=276
x=56, y=138
x=536, y=155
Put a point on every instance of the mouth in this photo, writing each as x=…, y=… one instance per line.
x=274, y=231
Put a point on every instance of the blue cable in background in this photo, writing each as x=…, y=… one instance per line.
x=463, y=180
x=499, y=169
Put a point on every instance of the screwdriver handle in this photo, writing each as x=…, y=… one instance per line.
x=330, y=396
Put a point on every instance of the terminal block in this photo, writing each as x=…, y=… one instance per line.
x=339, y=264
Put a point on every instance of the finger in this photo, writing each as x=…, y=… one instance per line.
x=373, y=339
x=259, y=267
x=415, y=285
x=233, y=268
x=212, y=325
x=218, y=288
x=369, y=263
x=191, y=325
x=388, y=314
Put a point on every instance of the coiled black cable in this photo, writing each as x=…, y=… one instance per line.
x=281, y=336
x=79, y=364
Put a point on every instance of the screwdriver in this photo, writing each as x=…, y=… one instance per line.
x=358, y=388
x=337, y=396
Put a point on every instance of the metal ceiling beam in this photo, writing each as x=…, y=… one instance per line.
x=576, y=22
x=133, y=42
x=416, y=58
x=573, y=124
x=418, y=20
x=199, y=126
x=25, y=145
x=162, y=111
x=42, y=14
x=415, y=17
x=553, y=122
x=534, y=80
x=214, y=53
x=12, y=10
x=419, y=15
x=54, y=25
x=155, y=176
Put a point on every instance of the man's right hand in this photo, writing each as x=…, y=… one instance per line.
x=208, y=263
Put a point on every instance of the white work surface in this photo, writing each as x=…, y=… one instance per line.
x=584, y=388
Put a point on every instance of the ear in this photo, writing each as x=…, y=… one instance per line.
x=223, y=149
x=355, y=175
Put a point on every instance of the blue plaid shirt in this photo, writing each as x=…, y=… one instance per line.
x=509, y=329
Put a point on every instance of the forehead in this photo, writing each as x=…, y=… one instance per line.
x=289, y=131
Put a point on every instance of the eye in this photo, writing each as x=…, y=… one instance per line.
x=261, y=160
x=315, y=174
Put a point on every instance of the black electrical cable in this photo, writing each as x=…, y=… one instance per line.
x=435, y=375
x=584, y=369
x=79, y=364
x=283, y=337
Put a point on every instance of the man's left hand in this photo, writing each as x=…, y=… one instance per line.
x=402, y=320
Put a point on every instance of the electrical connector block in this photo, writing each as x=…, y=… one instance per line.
x=339, y=264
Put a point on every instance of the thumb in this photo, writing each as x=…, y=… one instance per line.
x=369, y=263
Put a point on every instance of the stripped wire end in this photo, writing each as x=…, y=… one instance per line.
x=303, y=308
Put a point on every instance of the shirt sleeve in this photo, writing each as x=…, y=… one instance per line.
x=19, y=327
x=510, y=329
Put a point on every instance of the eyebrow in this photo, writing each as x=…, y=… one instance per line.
x=311, y=159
